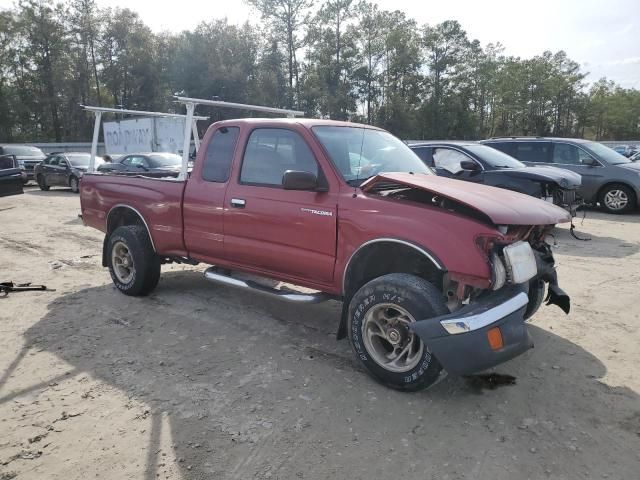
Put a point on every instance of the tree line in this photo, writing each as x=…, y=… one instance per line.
x=339, y=59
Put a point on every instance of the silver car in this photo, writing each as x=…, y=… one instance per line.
x=608, y=178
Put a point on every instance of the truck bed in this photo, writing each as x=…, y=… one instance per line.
x=159, y=202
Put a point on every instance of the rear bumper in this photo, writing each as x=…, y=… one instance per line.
x=469, y=350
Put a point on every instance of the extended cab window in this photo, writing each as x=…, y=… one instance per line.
x=272, y=151
x=217, y=162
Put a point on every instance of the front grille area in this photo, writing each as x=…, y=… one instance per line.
x=567, y=199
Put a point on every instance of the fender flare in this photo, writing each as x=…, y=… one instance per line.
x=107, y=232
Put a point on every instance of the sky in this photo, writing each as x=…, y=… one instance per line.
x=602, y=35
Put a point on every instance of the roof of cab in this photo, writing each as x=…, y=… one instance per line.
x=305, y=122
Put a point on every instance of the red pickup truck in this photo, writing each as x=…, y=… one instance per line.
x=435, y=275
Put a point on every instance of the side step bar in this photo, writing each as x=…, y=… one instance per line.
x=214, y=275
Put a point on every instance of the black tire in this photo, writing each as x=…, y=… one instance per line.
x=42, y=183
x=420, y=299
x=624, y=191
x=536, y=296
x=145, y=274
x=74, y=184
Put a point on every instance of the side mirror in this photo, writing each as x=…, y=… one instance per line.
x=589, y=161
x=469, y=165
x=296, y=180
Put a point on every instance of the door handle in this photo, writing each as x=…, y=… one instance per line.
x=238, y=202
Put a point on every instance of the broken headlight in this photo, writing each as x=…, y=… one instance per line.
x=499, y=273
x=520, y=262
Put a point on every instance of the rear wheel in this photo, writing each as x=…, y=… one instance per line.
x=42, y=183
x=617, y=198
x=133, y=265
x=378, y=324
x=74, y=184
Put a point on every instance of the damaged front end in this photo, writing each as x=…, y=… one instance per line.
x=488, y=327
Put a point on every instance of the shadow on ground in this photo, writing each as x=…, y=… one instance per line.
x=264, y=390
x=595, y=246
x=53, y=192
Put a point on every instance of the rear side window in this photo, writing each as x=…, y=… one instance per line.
x=533, y=151
x=271, y=152
x=217, y=161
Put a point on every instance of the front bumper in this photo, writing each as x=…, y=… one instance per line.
x=469, y=350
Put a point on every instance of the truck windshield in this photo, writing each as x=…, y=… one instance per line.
x=360, y=153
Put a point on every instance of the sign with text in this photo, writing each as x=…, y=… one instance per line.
x=128, y=136
x=169, y=134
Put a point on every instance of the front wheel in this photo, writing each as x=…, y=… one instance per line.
x=618, y=198
x=133, y=265
x=379, y=317
x=42, y=183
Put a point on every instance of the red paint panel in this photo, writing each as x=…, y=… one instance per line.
x=158, y=201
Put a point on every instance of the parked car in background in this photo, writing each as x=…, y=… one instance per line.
x=28, y=157
x=608, y=177
x=10, y=176
x=152, y=164
x=626, y=150
x=63, y=169
x=473, y=162
x=621, y=149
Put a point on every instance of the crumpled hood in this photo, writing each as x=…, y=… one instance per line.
x=503, y=207
x=564, y=178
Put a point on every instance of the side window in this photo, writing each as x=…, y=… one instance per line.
x=448, y=159
x=425, y=155
x=136, y=161
x=567, y=154
x=127, y=161
x=54, y=161
x=533, y=151
x=272, y=151
x=217, y=162
x=505, y=147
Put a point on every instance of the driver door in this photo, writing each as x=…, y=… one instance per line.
x=287, y=232
x=447, y=163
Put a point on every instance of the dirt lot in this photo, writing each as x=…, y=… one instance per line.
x=205, y=382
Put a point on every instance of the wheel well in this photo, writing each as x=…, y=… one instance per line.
x=120, y=216
x=380, y=258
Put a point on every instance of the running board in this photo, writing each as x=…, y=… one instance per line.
x=214, y=275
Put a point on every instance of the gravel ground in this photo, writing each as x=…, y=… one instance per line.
x=199, y=381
